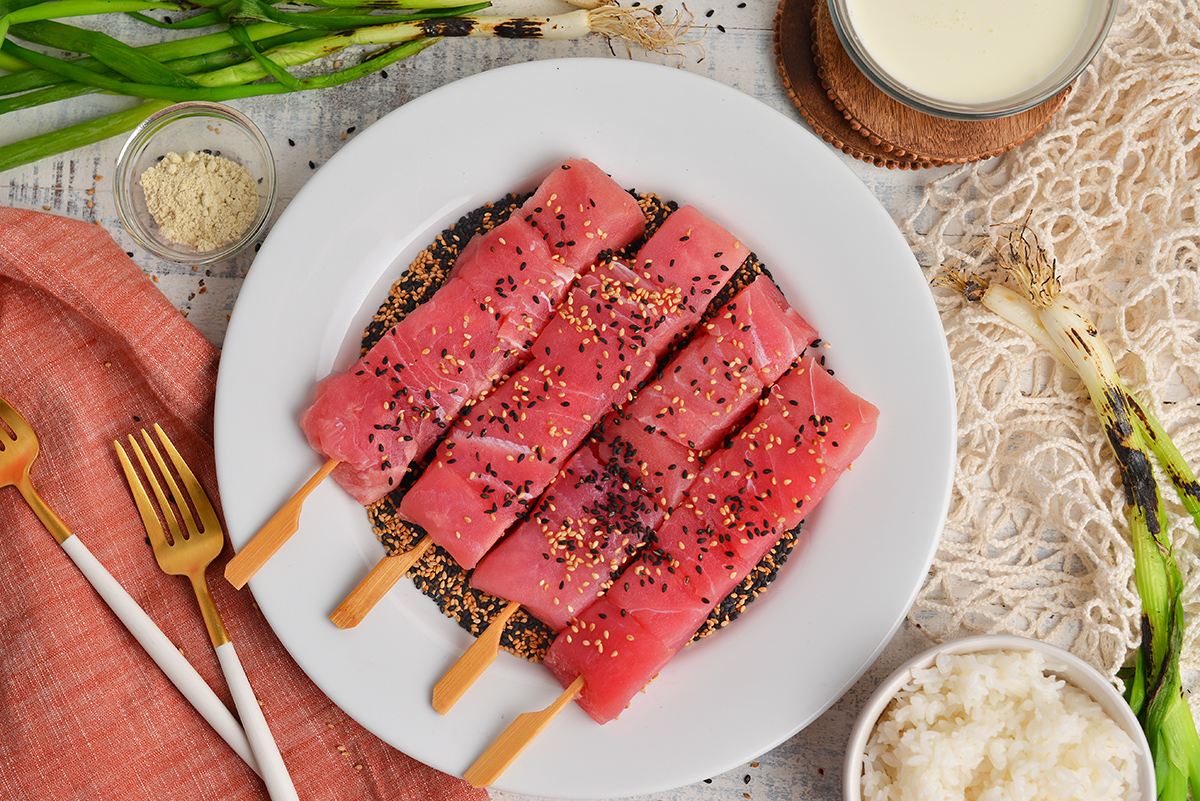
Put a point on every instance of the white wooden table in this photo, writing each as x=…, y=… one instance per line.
x=306, y=129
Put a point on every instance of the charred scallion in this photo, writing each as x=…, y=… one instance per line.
x=1028, y=295
x=385, y=31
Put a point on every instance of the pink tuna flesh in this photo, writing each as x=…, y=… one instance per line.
x=582, y=531
x=615, y=655
x=575, y=213
x=655, y=466
x=380, y=416
x=604, y=339
x=786, y=453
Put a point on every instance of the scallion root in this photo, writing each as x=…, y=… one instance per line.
x=643, y=28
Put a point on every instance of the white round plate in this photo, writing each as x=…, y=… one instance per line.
x=326, y=267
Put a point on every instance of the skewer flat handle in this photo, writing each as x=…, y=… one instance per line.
x=471, y=665
x=375, y=585
x=282, y=525
x=516, y=738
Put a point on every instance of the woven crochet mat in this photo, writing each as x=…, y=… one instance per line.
x=1036, y=540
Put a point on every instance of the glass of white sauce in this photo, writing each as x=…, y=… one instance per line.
x=972, y=59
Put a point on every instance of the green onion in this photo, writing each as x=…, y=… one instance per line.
x=1154, y=687
x=205, y=62
x=50, y=34
x=250, y=11
x=440, y=5
x=86, y=133
x=154, y=91
x=78, y=135
x=202, y=20
x=76, y=8
x=161, y=72
x=114, y=54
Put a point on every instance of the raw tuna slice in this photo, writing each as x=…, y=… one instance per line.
x=512, y=270
x=605, y=339
x=389, y=408
x=392, y=405
x=779, y=332
x=668, y=600
x=779, y=467
x=664, y=467
x=565, y=555
x=707, y=547
x=818, y=428
x=500, y=456
x=582, y=531
x=573, y=213
x=749, y=345
x=695, y=255
x=613, y=653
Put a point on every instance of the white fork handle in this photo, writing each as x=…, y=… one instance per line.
x=161, y=650
x=274, y=771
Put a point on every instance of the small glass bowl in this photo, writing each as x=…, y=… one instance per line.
x=1063, y=664
x=1100, y=15
x=198, y=127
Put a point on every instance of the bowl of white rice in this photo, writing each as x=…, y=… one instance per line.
x=997, y=718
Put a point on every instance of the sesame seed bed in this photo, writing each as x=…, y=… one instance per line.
x=437, y=574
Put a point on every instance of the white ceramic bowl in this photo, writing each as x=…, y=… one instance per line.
x=198, y=127
x=1098, y=21
x=1062, y=664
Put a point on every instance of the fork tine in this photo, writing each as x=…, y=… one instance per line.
x=164, y=502
x=7, y=410
x=180, y=498
x=154, y=528
x=13, y=419
x=195, y=489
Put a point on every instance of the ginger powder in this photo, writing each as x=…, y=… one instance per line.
x=200, y=200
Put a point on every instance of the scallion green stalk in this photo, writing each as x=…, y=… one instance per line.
x=92, y=131
x=151, y=72
x=1154, y=687
x=205, y=62
x=77, y=8
x=49, y=34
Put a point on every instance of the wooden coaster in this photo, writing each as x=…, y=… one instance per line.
x=854, y=115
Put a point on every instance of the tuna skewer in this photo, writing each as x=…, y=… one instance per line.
x=277, y=530
x=606, y=337
x=376, y=418
x=805, y=434
x=617, y=489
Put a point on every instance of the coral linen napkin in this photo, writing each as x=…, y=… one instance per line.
x=90, y=351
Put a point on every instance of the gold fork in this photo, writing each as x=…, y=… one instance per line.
x=188, y=552
x=18, y=452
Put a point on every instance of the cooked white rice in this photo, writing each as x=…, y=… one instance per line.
x=994, y=727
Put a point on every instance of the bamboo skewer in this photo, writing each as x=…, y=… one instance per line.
x=516, y=738
x=282, y=525
x=471, y=665
x=375, y=585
